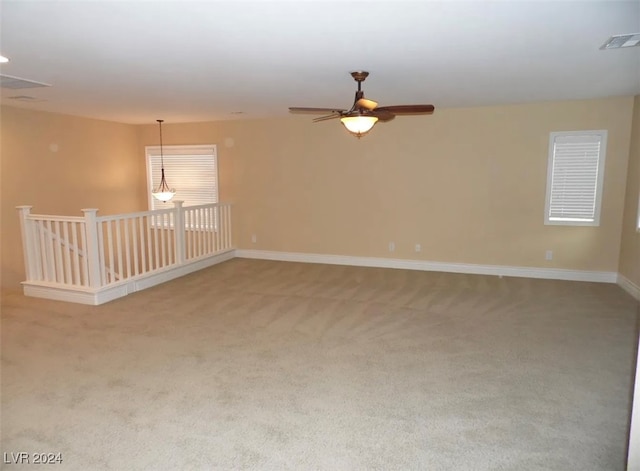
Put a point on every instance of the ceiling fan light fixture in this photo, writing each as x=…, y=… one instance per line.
x=359, y=125
x=365, y=113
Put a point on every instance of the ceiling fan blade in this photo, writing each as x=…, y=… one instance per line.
x=383, y=115
x=324, y=118
x=314, y=110
x=367, y=104
x=408, y=109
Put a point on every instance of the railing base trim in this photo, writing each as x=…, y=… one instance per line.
x=99, y=296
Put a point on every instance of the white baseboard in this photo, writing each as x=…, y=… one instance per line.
x=630, y=287
x=498, y=270
x=118, y=290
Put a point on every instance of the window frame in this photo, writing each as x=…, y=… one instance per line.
x=173, y=151
x=603, y=134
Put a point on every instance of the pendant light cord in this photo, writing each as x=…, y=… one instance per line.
x=160, y=121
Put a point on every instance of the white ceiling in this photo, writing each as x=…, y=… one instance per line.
x=136, y=61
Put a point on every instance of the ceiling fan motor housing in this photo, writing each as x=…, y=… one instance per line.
x=360, y=75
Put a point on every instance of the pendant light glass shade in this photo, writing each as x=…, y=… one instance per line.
x=163, y=192
x=359, y=125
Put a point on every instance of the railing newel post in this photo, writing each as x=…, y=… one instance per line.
x=93, y=255
x=179, y=232
x=29, y=248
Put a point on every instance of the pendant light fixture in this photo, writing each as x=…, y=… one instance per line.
x=163, y=193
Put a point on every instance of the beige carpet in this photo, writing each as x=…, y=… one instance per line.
x=264, y=365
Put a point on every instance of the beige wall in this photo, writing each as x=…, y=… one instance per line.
x=96, y=166
x=193, y=134
x=630, y=246
x=466, y=184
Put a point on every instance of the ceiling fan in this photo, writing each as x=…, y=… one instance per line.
x=364, y=113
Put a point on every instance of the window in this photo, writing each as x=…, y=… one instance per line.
x=574, y=177
x=191, y=170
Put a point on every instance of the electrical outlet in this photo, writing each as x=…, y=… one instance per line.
x=392, y=246
x=548, y=255
x=418, y=248
x=254, y=239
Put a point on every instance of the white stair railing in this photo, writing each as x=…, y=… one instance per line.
x=93, y=252
x=54, y=248
x=72, y=252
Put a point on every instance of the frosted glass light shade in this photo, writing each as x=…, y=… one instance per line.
x=163, y=196
x=359, y=125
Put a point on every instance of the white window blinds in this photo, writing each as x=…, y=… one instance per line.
x=575, y=176
x=191, y=170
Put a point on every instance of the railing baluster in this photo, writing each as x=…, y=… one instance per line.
x=188, y=232
x=57, y=244
x=200, y=232
x=169, y=229
x=43, y=249
x=171, y=243
x=223, y=227
x=110, y=268
x=155, y=241
x=163, y=230
x=194, y=214
x=205, y=231
x=85, y=259
x=76, y=280
x=148, y=248
x=134, y=234
x=221, y=210
x=51, y=263
x=193, y=233
x=210, y=230
x=102, y=251
x=143, y=245
x=68, y=275
x=228, y=228
x=185, y=235
x=127, y=248
x=218, y=228
x=118, y=274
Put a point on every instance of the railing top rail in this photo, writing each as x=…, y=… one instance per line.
x=50, y=217
x=206, y=205
x=115, y=217
x=156, y=212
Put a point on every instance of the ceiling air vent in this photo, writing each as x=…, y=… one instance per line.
x=622, y=40
x=7, y=81
x=29, y=99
